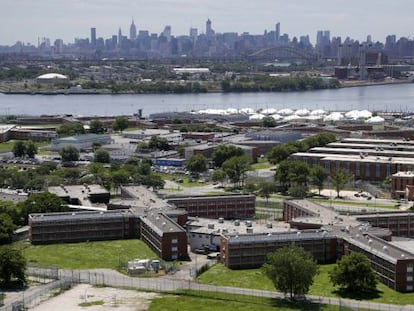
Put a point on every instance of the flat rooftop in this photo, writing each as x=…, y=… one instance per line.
x=381, y=153
x=160, y=223
x=356, y=158
x=370, y=146
x=235, y=227
x=144, y=198
x=378, y=141
x=288, y=236
x=79, y=216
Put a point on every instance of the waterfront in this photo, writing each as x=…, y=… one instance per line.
x=374, y=98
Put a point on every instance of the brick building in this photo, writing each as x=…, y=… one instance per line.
x=226, y=206
x=82, y=226
x=365, y=159
x=402, y=185
x=164, y=236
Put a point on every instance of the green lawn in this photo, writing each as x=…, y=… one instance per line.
x=253, y=278
x=262, y=164
x=206, y=301
x=8, y=145
x=88, y=255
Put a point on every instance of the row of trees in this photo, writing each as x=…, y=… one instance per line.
x=96, y=126
x=294, y=177
x=22, y=149
x=229, y=162
x=278, y=84
x=281, y=152
x=292, y=270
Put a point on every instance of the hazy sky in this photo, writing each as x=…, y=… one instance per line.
x=26, y=20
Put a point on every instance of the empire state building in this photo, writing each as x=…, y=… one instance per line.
x=132, y=31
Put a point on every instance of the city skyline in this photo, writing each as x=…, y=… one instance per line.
x=74, y=19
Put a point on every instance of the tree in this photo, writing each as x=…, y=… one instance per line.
x=159, y=143
x=268, y=122
x=19, y=149
x=69, y=154
x=291, y=174
x=266, y=189
x=101, y=156
x=318, y=176
x=354, y=273
x=236, y=168
x=291, y=269
x=96, y=127
x=339, y=180
x=70, y=129
x=31, y=149
x=197, y=164
x=218, y=176
x=7, y=228
x=224, y=152
x=120, y=123
x=12, y=266
x=42, y=202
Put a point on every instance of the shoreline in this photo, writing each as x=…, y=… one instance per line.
x=344, y=84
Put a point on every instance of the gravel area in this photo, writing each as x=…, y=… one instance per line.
x=112, y=298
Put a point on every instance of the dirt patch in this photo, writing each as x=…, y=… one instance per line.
x=98, y=298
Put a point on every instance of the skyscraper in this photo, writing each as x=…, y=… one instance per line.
x=167, y=32
x=193, y=33
x=119, y=36
x=277, y=32
x=93, y=37
x=132, y=31
x=209, y=30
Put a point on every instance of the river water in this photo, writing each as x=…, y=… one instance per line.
x=398, y=98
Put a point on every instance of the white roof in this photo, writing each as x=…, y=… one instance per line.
x=52, y=76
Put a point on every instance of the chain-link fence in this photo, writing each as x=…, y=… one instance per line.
x=110, y=278
x=34, y=296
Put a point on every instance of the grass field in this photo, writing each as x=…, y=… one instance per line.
x=206, y=301
x=88, y=255
x=261, y=165
x=254, y=279
x=8, y=146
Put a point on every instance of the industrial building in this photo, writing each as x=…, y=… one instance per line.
x=80, y=142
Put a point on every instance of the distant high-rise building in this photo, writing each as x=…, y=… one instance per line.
x=58, y=46
x=193, y=33
x=209, y=29
x=277, y=32
x=132, y=31
x=119, y=36
x=369, y=39
x=93, y=37
x=305, y=41
x=323, y=37
x=167, y=32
